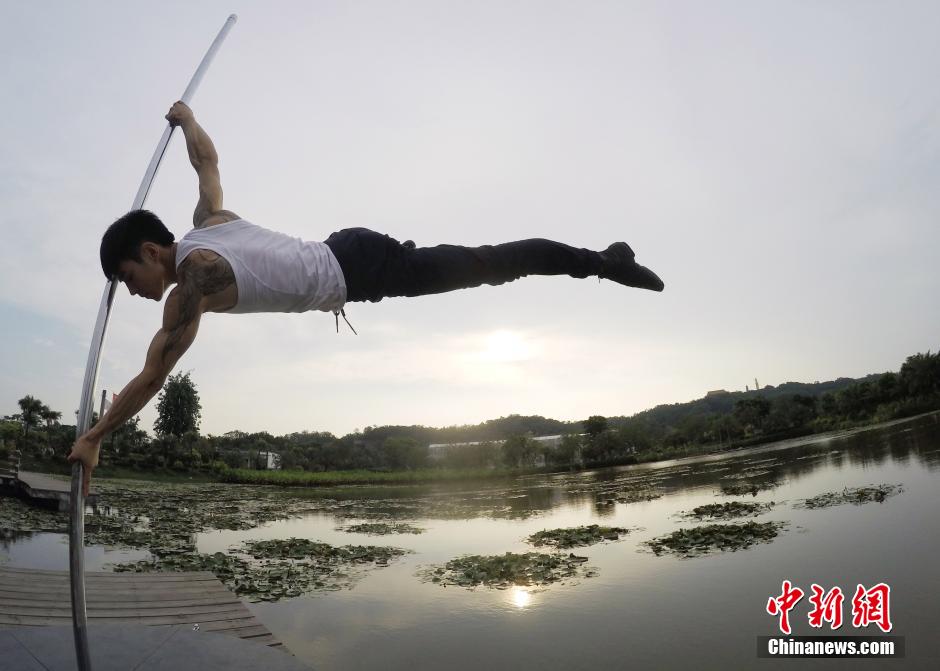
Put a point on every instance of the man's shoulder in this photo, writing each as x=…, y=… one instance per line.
x=205, y=273
x=216, y=218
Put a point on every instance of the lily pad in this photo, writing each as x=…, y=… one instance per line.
x=381, y=528
x=727, y=511
x=576, y=536
x=501, y=571
x=742, y=488
x=854, y=495
x=301, y=548
x=696, y=541
x=276, y=569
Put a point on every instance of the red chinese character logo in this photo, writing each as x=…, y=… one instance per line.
x=826, y=609
x=783, y=604
x=872, y=607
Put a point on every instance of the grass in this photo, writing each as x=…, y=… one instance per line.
x=119, y=473
x=360, y=477
x=59, y=466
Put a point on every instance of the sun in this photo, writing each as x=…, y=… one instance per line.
x=505, y=347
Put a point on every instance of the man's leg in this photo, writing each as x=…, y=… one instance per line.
x=377, y=266
x=434, y=270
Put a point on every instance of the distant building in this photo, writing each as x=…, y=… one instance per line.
x=717, y=392
x=269, y=460
x=437, y=451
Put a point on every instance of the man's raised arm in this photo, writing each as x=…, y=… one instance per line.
x=181, y=316
x=204, y=159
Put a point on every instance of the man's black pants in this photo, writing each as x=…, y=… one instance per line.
x=377, y=266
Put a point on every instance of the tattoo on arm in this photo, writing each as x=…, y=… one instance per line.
x=198, y=277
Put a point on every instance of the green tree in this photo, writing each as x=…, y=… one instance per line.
x=404, y=453
x=127, y=439
x=636, y=434
x=178, y=407
x=828, y=405
x=568, y=451
x=789, y=412
x=31, y=412
x=50, y=416
x=603, y=446
x=595, y=425
x=518, y=451
x=920, y=374
x=751, y=412
x=9, y=432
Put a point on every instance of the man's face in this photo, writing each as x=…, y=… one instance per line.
x=143, y=278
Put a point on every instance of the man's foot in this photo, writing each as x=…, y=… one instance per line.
x=619, y=266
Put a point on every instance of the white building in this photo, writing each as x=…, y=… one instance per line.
x=270, y=460
x=437, y=451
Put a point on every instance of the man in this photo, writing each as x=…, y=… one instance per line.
x=226, y=264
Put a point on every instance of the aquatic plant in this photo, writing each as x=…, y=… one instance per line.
x=696, y=541
x=275, y=569
x=854, y=495
x=727, y=511
x=381, y=528
x=741, y=488
x=501, y=571
x=576, y=536
x=301, y=548
x=17, y=515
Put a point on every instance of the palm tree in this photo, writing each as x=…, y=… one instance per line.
x=31, y=409
x=50, y=416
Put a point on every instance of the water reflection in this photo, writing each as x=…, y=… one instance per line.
x=8, y=537
x=754, y=470
x=640, y=610
x=520, y=597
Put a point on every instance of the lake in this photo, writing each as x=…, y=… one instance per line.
x=639, y=610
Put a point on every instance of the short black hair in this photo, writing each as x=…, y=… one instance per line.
x=122, y=240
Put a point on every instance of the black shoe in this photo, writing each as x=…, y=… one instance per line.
x=619, y=266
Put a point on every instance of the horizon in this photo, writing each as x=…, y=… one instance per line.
x=149, y=429
x=775, y=165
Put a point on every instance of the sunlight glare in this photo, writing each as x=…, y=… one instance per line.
x=520, y=597
x=505, y=347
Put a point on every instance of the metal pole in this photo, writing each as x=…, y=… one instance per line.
x=77, y=518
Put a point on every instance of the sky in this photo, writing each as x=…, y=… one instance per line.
x=776, y=163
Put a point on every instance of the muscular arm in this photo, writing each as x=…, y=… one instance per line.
x=205, y=161
x=200, y=278
x=180, y=325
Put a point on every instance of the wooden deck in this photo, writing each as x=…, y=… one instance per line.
x=30, y=597
x=45, y=489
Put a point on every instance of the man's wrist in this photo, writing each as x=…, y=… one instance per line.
x=96, y=433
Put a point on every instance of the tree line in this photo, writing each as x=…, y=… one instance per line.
x=718, y=421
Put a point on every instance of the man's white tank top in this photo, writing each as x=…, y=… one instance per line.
x=274, y=272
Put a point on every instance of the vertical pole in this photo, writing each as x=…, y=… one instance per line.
x=77, y=516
